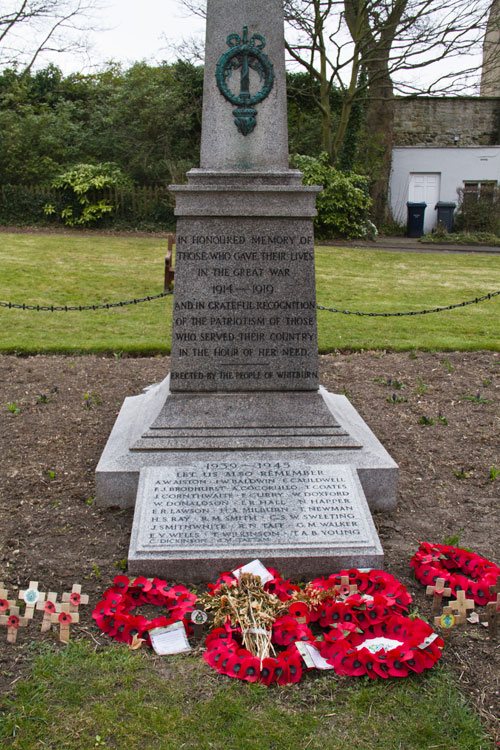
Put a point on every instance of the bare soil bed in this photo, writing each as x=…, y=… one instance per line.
x=437, y=414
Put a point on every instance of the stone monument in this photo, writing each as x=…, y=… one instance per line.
x=239, y=453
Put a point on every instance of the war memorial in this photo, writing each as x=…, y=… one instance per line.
x=239, y=452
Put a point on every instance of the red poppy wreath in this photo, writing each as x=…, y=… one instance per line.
x=461, y=569
x=356, y=633
x=392, y=647
x=251, y=621
x=367, y=583
x=114, y=614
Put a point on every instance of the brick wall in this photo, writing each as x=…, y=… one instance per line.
x=437, y=121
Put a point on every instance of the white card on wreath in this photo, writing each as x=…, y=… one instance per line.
x=170, y=640
x=256, y=568
x=311, y=656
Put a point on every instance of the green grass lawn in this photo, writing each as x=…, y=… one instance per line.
x=78, y=698
x=80, y=270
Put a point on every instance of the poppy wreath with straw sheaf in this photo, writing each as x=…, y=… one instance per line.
x=395, y=645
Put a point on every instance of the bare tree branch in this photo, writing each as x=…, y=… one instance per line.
x=28, y=28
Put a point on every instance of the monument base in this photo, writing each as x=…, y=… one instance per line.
x=331, y=433
x=194, y=521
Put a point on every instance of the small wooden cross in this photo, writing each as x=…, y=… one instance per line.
x=496, y=588
x=345, y=588
x=31, y=596
x=65, y=619
x=492, y=616
x=461, y=605
x=298, y=610
x=75, y=597
x=447, y=620
x=13, y=622
x=48, y=608
x=5, y=602
x=438, y=591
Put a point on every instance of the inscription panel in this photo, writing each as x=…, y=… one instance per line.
x=244, y=313
x=250, y=504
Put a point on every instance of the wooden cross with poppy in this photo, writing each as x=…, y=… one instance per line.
x=300, y=611
x=438, y=591
x=492, y=615
x=345, y=588
x=31, y=597
x=75, y=597
x=5, y=602
x=494, y=589
x=65, y=618
x=48, y=608
x=13, y=622
x=460, y=606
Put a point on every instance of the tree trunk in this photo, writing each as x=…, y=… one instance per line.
x=379, y=125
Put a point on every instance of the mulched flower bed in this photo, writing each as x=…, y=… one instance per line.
x=436, y=413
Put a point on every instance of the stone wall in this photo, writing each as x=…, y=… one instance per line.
x=429, y=121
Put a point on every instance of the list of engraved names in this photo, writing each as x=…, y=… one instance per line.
x=250, y=503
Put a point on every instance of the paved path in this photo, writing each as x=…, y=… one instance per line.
x=410, y=245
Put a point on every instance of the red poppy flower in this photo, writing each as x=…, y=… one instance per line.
x=65, y=618
x=126, y=627
x=236, y=663
x=217, y=658
x=341, y=638
x=336, y=612
x=102, y=621
x=397, y=665
x=351, y=662
x=121, y=584
x=267, y=671
x=217, y=651
x=112, y=606
x=113, y=598
x=144, y=584
x=49, y=607
x=75, y=599
x=227, y=578
x=299, y=610
x=380, y=668
x=218, y=634
x=4, y=605
x=282, y=589
x=286, y=629
x=13, y=621
x=163, y=588
x=120, y=633
x=418, y=660
x=290, y=665
x=250, y=671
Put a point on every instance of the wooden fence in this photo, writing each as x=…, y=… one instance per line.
x=140, y=202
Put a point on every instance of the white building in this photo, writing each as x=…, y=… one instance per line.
x=432, y=174
x=443, y=144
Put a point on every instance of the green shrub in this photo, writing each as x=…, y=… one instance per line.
x=478, y=209
x=344, y=203
x=23, y=205
x=79, y=183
